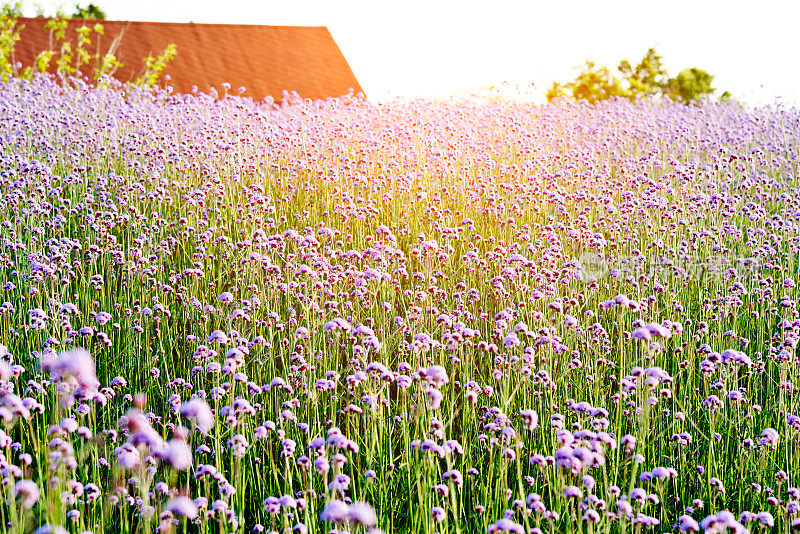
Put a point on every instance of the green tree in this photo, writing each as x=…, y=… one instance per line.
x=592, y=84
x=692, y=84
x=648, y=77
x=92, y=11
x=11, y=10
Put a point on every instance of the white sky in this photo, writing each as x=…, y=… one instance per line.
x=437, y=48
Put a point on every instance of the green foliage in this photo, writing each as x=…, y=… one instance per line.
x=648, y=77
x=70, y=58
x=91, y=11
x=9, y=35
x=11, y=10
x=57, y=27
x=106, y=65
x=592, y=85
x=82, y=56
x=689, y=83
x=154, y=66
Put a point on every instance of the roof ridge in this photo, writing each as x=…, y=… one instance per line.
x=166, y=23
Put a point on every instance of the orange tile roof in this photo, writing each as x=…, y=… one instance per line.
x=266, y=60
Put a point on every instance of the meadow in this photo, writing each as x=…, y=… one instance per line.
x=341, y=316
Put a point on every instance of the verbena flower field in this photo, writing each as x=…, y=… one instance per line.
x=416, y=317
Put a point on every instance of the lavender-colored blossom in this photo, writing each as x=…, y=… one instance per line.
x=335, y=511
x=27, y=492
x=199, y=412
x=182, y=506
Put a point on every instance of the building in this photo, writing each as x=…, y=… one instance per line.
x=265, y=60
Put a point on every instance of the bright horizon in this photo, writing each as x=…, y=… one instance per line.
x=438, y=49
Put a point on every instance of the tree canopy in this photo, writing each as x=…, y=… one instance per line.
x=648, y=77
x=91, y=11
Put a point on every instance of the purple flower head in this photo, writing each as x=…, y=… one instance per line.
x=27, y=492
x=766, y=519
x=505, y=525
x=74, y=364
x=199, y=412
x=335, y=511
x=531, y=418
x=642, y=333
x=511, y=340
x=218, y=336
x=658, y=330
x=438, y=514
x=177, y=454
x=721, y=521
x=591, y=516
x=437, y=375
x=769, y=438
x=182, y=506
x=361, y=513
x=716, y=483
